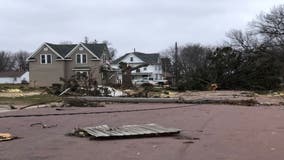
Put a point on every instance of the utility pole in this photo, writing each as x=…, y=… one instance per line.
x=176, y=64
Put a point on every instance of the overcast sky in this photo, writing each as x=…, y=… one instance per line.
x=147, y=25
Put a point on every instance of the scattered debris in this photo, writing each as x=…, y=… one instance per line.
x=43, y=125
x=13, y=91
x=213, y=87
x=188, y=142
x=6, y=137
x=65, y=91
x=112, y=92
x=125, y=131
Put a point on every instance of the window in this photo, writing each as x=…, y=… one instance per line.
x=45, y=58
x=81, y=58
x=131, y=59
x=145, y=68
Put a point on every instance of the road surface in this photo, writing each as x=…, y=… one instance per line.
x=225, y=133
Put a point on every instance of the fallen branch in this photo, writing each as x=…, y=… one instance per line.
x=43, y=125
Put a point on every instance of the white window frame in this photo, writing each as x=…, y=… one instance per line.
x=45, y=58
x=81, y=58
x=131, y=59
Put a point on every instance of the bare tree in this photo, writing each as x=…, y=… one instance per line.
x=112, y=51
x=245, y=41
x=6, y=61
x=271, y=26
x=20, y=61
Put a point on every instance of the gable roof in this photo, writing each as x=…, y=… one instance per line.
x=150, y=58
x=62, y=49
x=97, y=48
x=12, y=73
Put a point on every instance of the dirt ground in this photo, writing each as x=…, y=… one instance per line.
x=225, y=133
x=274, y=98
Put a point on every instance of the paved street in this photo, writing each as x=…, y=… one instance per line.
x=224, y=132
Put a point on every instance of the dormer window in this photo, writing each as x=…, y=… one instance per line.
x=81, y=58
x=131, y=59
x=45, y=59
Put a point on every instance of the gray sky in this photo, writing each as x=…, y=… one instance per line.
x=147, y=25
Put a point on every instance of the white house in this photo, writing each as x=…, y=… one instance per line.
x=153, y=70
x=14, y=77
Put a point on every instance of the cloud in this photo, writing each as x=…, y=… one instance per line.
x=149, y=26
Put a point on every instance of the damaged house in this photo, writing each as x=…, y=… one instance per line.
x=51, y=62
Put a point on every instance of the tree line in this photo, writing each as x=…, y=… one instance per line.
x=13, y=61
x=252, y=59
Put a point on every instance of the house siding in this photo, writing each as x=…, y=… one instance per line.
x=46, y=74
x=93, y=64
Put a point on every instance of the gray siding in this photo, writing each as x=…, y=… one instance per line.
x=45, y=74
x=93, y=64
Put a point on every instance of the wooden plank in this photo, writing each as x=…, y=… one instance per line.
x=159, y=128
x=105, y=131
x=95, y=132
x=138, y=129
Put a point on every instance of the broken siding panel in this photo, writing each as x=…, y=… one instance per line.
x=105, y=131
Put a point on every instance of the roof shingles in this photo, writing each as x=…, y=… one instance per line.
x=63, y=49
x=150, y=58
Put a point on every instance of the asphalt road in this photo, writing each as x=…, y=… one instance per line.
x=224, y=132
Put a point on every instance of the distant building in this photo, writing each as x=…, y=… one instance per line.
x=14, y=77
x=153, y=70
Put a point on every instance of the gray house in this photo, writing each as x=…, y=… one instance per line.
x=52, y=61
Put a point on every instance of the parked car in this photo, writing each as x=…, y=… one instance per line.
x=143, y=81
x=151, y=81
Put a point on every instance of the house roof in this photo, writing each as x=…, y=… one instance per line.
x=150, y=58
x=62, y=49
x=97, y=48
x=12, y=73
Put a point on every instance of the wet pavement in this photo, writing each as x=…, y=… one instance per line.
x=221, y=132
